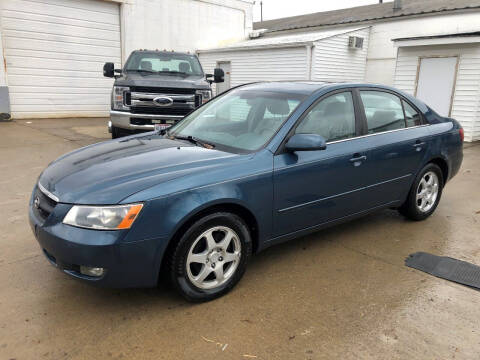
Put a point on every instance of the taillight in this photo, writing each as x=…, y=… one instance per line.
x=462, y=135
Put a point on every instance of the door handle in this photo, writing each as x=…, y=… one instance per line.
x=418, y=145
x=357, y=158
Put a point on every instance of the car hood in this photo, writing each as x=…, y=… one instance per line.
x=106, y=173
x=162, y=80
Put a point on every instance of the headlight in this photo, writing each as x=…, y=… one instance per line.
x=118, y=98
x=103, y=217
x=206, y=95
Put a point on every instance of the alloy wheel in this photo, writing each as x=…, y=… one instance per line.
x=427, y=191
x=213, y=257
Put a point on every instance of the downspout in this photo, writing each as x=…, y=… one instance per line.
x=123, y=33
x=5, y=111
x=309, y=61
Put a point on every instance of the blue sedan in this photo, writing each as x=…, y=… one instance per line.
x=258, y=165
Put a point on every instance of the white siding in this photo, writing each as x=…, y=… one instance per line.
x=260, y=65
x=382, y=52
x=466, y=104
x=55, y=51
x=333, y=60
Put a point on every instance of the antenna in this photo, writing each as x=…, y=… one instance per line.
x=261, y=10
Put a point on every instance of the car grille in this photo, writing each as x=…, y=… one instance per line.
x=45, y=205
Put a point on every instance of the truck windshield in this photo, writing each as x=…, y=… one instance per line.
x=241, y=119
x=165, y=63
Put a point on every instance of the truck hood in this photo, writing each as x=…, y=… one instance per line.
x=106, y=173
x=162, y=80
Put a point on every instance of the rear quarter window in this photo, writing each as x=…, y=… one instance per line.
x=412, y=117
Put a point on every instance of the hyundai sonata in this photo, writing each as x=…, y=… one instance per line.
x=260, y=164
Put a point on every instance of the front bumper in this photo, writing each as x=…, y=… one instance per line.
x=123, y=119
x=126, y=264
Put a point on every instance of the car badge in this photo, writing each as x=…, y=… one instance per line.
x=163, y=101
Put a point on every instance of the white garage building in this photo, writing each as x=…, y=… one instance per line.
x=54, y=50
x=430, y=49
x=332, y=55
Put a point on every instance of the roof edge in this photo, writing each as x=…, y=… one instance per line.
x=255, y=47
x=278, y=45
x=373, y=19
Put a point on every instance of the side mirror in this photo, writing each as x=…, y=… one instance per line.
x=218, y=75
x=109, y=70
x=306, y=142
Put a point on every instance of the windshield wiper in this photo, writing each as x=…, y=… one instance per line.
x=193, y=140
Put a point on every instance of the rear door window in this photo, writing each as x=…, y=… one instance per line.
x=383, y=111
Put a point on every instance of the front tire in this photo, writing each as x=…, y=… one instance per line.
x=115, y=132
x=210, y=258
x=425, y=193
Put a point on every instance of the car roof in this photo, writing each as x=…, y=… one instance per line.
x=308, y=87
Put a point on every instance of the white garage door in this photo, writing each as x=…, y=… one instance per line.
x=55, y=51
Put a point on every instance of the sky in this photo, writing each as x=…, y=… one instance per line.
x=274, y=9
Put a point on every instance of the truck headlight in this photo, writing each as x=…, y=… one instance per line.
x=118, y=97
x=205, y=94
x=103, y=217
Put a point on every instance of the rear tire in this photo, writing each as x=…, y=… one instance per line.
x=424, y=194
x=210, y=258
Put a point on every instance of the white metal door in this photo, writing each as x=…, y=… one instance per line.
x=55, y=51
x=436, y=81
x=225, y=66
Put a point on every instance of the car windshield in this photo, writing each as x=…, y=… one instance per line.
x=165, y=63
x=242, y=119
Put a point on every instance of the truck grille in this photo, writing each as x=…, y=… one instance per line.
x=157, y=90
x=161, y=111
x=184, y=101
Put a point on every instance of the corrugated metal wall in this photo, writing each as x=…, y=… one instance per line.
x=260, y=65
x=333, y=60
x=466, y=99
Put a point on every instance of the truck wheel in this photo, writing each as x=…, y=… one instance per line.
x=210, y=257
x=115, y=132
x=425, y=194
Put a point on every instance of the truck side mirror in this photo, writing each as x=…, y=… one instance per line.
x=109, y=70
x=218, y=75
